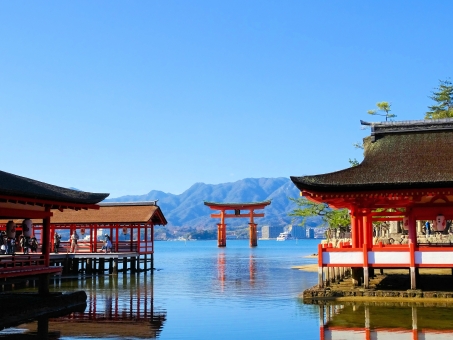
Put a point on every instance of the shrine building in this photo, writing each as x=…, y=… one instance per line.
x=406, y=175
x=25, y=199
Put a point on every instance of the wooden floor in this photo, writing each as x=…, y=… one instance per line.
x=61, y=256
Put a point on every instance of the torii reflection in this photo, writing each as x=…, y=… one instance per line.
x=230, y=270
x=110, y=306
x=386, y=321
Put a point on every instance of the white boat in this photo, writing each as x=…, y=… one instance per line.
x=284, y=236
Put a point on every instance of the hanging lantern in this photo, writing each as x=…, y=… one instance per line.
x=441, y=223
x=11, y=229
x=27, y=228
x=124, y=231
x=406, y=223
x=82, y=231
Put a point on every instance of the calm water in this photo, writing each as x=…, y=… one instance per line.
x=202, y=292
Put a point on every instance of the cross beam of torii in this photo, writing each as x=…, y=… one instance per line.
x=237, y=208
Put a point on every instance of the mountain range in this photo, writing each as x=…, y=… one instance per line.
x=188, y=209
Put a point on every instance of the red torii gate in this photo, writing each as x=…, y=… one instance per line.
x=236, y=207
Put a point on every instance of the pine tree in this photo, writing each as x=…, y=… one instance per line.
x=443, y=96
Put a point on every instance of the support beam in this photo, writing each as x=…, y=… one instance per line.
x=253, y=235
x=221, y=235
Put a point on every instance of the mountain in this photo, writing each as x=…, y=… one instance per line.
x=188, y=209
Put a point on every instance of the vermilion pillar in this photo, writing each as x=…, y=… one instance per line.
x=253, y=235
x=221, y=231
x=43, y=283
x=354, y=230
x=359, y=219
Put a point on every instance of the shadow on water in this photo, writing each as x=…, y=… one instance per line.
x=118, y=306
x=386, y=321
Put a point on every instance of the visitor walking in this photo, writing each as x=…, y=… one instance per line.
x=107, y=244
x=74, y=239
x=427, y=228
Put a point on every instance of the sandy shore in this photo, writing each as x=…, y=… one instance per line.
x=307, y=267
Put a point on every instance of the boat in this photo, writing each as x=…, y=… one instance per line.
x=284, y=236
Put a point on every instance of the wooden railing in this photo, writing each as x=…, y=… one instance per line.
x=24, y=265
x=87, y=247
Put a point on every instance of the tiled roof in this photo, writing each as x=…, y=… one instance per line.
x=140, y=212
x=13, y=185
x=398, y=155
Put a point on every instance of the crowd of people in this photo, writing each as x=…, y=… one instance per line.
x=8, y=245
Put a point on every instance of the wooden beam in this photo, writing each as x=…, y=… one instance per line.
x=22, y=213
x=236, y=216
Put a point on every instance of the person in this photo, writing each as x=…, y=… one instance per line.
x=24, y=244
x=2, y=243
x=33, y=244
x=11, y=246
x=427, y=228
x=107, y=244
x=74, y=239
x=56, y=242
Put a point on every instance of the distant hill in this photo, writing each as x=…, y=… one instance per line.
x=188, y=210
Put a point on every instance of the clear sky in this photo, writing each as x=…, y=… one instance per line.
x=129, y=96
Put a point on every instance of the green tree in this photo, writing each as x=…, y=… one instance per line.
x=333, y=218
x=443, y=96
x=382, y=107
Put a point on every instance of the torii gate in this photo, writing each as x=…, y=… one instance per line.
x=236, y=207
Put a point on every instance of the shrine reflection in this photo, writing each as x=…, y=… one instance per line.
x=117, y=306
x=386, y=321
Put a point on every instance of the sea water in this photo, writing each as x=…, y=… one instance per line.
x=200, y=291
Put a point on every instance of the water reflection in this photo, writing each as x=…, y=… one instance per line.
x=223, y=268
x=114, y=310
x=386, y=321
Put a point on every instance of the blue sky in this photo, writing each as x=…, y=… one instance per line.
x=127, y=97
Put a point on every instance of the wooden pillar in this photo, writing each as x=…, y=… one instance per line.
x=116, y=236
x=124, y=264
x=95, y=238
x=413, y=271
x=110, y=265
x=43, y=328
x=366, y=225
x=138, y=238
x=354, y=229
x=365, y=267
x=412, y=234
x=101, y=265
x=253, y=235
x=45, y=249
x=221, y=230
x=75, y=265
x=359, y=218
x=43, y=284
x=133, y=265
x=320, y=271
x=115, y=266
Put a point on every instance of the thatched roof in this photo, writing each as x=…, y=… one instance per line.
x=397, y=155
